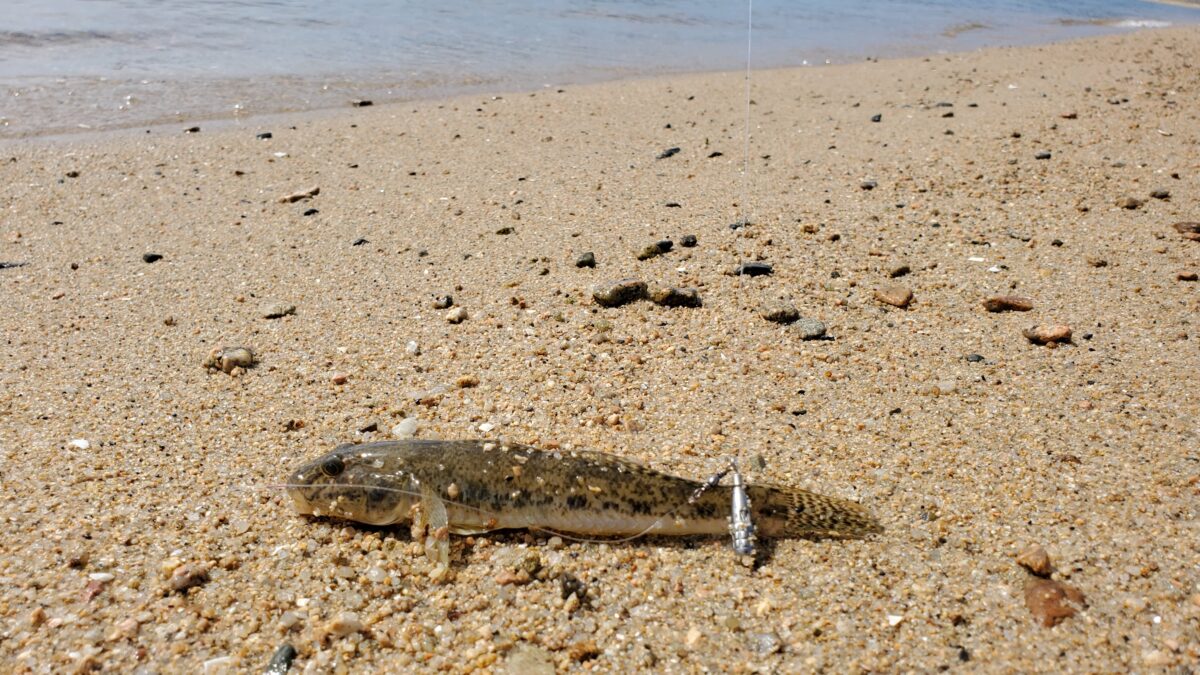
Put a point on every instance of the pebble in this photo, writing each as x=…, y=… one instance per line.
x=688, y=240
x=585, y=650
x=101, y=577
x=753, y=269
x=11, y=265
x=1042, y=155
x=1052, y=601
x=281, y=660
x=360, y=241
x=876, y=118
x=346, y=623
x=80, y=443
x=310, y=212
x=656, y=249
x=1042, y=335
x=809, y=329
x=1186, y=276
x=587, y=259
x=527, y=659
x=1161, y=194
x=413, y=348
x=466, y=382
x=1008, y=303
x=188, y=576
x=899, y=271
x=693, y=637
x=407, y=428
x=264, y=136
x=1129, y=202
x=765, y=643
x=339, y=378
x=974, y=358
x=1189, y=230
x=505, y=230
x=1036, y=560
x=300, y=195
x=192, y=130
x=780, y=313
x=362, y=103
x=457, y=315
x=894, y=295
x=669, y=152
x=277, y=310
x=443, y=302
x=674, y=296
x=869, y=184
x=225, y=359
x=151, y=257
x=617, y=293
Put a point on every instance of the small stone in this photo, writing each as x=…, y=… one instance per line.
x=809, y=329
x=1189, y=230
x=457, y=315
x=1036, y=560
x=505, y=230
x=1157, y=658
x=359, y=242
x=1160, y=194
x=225, y=359
x=265, y=136
x=877, y=118
x=1096, y=262
x=894, y=295
x=1129, y=203
x=585, y=650
x=80, y=443
x=674, y=296
x=344, y=624
x=527, y=659
x=693, y=637
x=277, y=310
x=300, y=195
x=486, y=428
x=753, y=269
x=974, y=358
x=1069, y=115
x=466, y=382
x=899, y=271
x=780, y=313
x=1042, y=335
x=764, y=643
x=894, y=619
x=339, y=378
x=656, y=249
x=1186, y=276
x=362, y=103
x=192, y=130
x=617, y=293
x=413, y=348
x=281, y=660
x=587, y=259
x=101, y=577
x=188, y=576
x=868, y=184
x=669, y=152
x=13, y=265
x=1052, y=601
x=151, y=257
x=310, y=212
x=407, y=428
x=1042, y=155
x=443, y=302
x=1008, y=303
x=513, y=578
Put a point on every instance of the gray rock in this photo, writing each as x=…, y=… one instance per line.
x=443, y=302
x=617, y=293
x=688, y=241
x=809, y=329
x=586, y=260
x=277, y=310
x=754, y=269
x=780, y=312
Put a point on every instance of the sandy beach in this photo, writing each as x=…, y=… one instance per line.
x=142, y=534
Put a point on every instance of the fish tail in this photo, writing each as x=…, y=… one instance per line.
x=792, y=512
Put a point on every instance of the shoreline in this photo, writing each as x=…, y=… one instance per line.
x=134, y=479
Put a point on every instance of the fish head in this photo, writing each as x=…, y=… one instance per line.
x=364, y=483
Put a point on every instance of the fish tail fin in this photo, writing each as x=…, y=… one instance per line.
x=792, y=512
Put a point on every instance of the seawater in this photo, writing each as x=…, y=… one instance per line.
x=99, y=64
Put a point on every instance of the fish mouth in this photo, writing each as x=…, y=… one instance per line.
x=299, y=503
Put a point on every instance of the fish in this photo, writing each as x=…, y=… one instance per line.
x=469, y=487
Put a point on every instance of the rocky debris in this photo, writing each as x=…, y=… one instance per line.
x=688, y=241
x=753, y=269
x=443, y=302
x=362, y=103
x=1189, y=230
x=457, y=315
x=277, y=310
x=225, y=359
x=674, y=296
x=809, y=329
x=1036, y=560
x=281, y=660
x=617, y=293
x=1129, y=203
x=780, y=312
x=187, y=576
x=151, y=257
x=656, y=249
x=301, y=195
x=894, y=295
x=587, y=259
x=1160, y=194
x=669, y=152
x=1008, y=303
x=1042, y=155
x=1052, y=601
x=1043, y=335
x=1186, y=276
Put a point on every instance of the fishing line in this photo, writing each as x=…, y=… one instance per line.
x=744, y=219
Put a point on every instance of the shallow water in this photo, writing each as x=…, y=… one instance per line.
x=95, y=64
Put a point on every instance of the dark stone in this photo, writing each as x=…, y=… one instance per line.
x=266, y=135
x=192, y=130
x=673, y=205
x=443, y=302
x=1161, y=194
x=687, y=240
x=10, y=265
x=876, y=118
x=505, y=230
x=754, y=269
x=665, y=245
x=974, y=358
x=656, y=249
x=151, y=257
x=360, y=241
x=586, y=260
x=669, y=152
x=373, y=426
x=715, y=153
x=1042, y=155
x=868, y=185
x=281, y=661
x=311, y=212
x=362, y=103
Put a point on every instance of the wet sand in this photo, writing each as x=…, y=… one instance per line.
x=129, y=468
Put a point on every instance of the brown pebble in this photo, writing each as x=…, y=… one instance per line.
x=1189, y=230
x=467, y=381
x=1036, y=560
x=585, y=650
x=513, y=577
x=1048, y=600
x=617, y=293
x=1008, y=303
x=1097, y=262
x=781, y=312
x=1047, y=334
x=302, y=194
x=1129, y=202
x=899, y=271
x=188, y=576
x=344, y=624
x=1186, y=276
x=894, y=294
x=339, y=378
x=1069, y=115
x=674, y=296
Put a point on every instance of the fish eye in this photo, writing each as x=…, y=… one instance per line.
x=333, y=467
